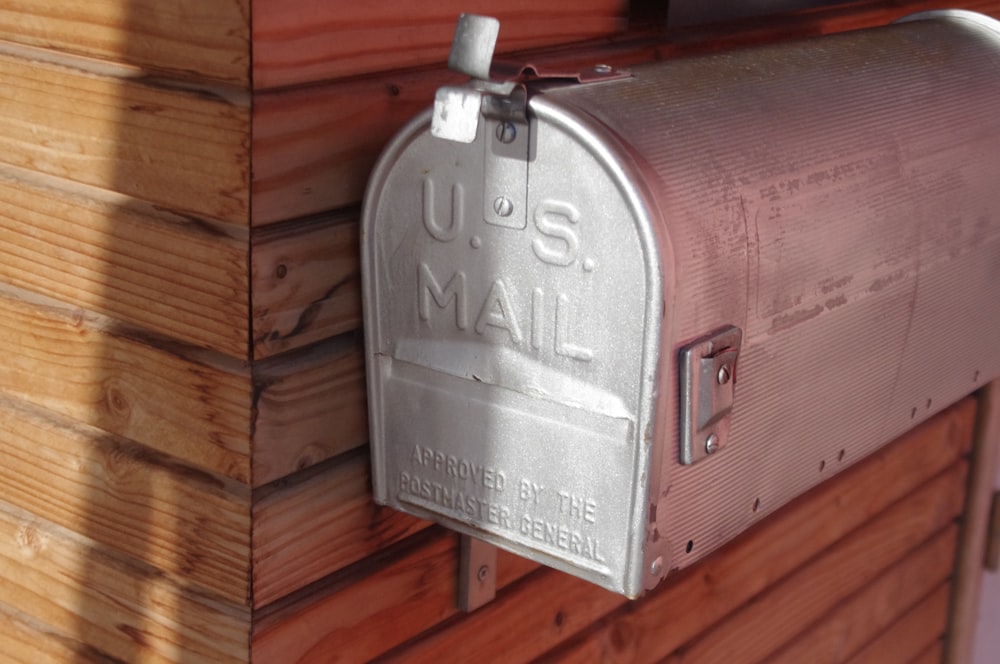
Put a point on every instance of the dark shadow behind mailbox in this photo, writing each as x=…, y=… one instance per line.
x=613, y=320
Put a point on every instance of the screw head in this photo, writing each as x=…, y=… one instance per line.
x=724, y=374
x=503, y=207
x=483, y=572
x=603, y=69
x=656, y=567
x=712, y=444
x=506, y=132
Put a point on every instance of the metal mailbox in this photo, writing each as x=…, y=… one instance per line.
x=614, y=319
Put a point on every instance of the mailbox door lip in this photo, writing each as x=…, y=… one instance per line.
x=626, y=171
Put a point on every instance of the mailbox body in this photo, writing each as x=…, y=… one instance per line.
x=532, y=298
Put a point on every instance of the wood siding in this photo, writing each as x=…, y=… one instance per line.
x=184, y=471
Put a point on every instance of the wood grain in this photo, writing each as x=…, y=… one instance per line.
x=912, y=634
x=302, y=41
x=111, y=604
x=191, y=404
x=932, y=655
x=184, y=521
x=309, y=406
x=307, y=530
x=558, y=608
x=26, y=641
x=182, y=149
x=306, y=282
x=858, y=620
x=750, y=564
x=357, y=619
x=116, y=255
x=352, y=618
x=203, y=39
x=760, y=627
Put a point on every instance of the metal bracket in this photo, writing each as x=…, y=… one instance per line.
x=477, y=573
x=707, y=382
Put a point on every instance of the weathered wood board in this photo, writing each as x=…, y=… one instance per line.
x=302, y=41
x=192, y=525
x=176, y=276
x=308, y=407
x=117, y=607
x=177, y=146
x=197, y=39
x=191, y=404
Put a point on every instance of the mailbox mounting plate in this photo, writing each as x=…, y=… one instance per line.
x=707, y=380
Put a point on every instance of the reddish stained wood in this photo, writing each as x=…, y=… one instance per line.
x=301, y=41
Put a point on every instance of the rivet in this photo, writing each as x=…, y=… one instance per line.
x=506, y=132
x=503, y=207
x=724, y=374
x=712, y=444
x=603, y=69
x=657, y=566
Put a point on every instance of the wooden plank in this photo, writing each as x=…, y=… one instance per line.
x=112, y=604
x=557, y=609
x=912, y=634
x=306, y=282
x=181, y=520
x=857, y=621
x=302, y=41
x=755, y=630
x=821, y=517
x=311, y=528
x=309, y=406
x=188, y=38
x=367, y=611
x=932, y=655
x=387, y=607
x=26, y=641
x=975, y=525
x=119, y=256
x=107, y=126
x=190, y=404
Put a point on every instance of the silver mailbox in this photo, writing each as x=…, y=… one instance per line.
x=613, y=320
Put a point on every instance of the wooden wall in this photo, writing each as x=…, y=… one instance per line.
x=184, y=470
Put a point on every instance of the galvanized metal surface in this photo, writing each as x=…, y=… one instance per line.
x=836, y=199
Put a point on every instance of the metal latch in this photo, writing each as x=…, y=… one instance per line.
x=707, y=380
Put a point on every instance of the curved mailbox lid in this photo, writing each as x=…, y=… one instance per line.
x=512, y=364
x=836, y=200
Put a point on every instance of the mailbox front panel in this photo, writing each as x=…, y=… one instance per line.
x=513, y=357
x=815, y=225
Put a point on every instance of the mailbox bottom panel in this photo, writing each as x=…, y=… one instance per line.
x=559, y=490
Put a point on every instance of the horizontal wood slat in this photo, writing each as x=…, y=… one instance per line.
x=304, y=531
x=300, y=41
x=26, y=641
x=406, y=598
x=120, y=608
x=183, y=149
x=189, y=38
x=912, y=634
x=559, y=608
x=870, y=611
x=181, y=520
x=119, y=256
x=190, y=404
x=309, y=406
x=757, y=629
x=306, y=283
x=387, y=605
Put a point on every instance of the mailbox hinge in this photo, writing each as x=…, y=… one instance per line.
x=707, y=383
